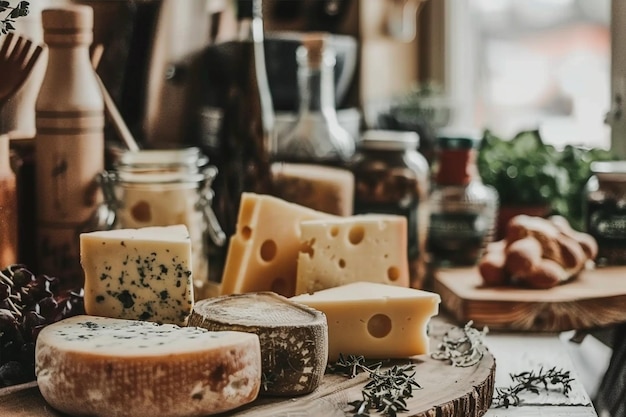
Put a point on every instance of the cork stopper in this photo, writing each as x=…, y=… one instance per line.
x=70, y=25
x=315, y=42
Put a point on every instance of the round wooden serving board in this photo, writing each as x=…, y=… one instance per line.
x=596, y=298
x=447, y=391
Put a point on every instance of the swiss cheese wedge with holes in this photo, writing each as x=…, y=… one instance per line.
x=97, y=366
x=375, y=320
x=369, y=247
x=263, y=253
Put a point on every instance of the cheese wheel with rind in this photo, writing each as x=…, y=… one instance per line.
x=96, y=366
x=293, y=337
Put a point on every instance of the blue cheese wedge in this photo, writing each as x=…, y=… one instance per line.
x=138, y=274
x=98, y=366
x=293, y=337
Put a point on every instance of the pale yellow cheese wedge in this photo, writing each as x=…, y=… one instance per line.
x=323, y=188
x=375, y=320
x=263, y=253
x=370, y=247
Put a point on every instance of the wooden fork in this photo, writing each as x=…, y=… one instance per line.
x=17, y=60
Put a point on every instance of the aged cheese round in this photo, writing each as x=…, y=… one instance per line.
x=293, y=337
x=98, y=366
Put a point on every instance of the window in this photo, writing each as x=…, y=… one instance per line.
x=517, y=65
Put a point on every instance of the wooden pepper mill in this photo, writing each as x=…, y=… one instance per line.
x=69, y=143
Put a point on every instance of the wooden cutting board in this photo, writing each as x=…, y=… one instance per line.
x=596, y=298
x=446, y=391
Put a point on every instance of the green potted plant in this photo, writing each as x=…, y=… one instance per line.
x=535, y=178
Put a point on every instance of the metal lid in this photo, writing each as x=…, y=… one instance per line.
x=609, y=170
x=599, y=167
x=161, y=166
x=389, y=140
x=187, y=159
x=458, y=138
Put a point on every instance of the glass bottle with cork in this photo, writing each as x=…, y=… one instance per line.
x=317, y=137
x=463, y=209
x=311, y=160
x=391, y=177
x=235, y=96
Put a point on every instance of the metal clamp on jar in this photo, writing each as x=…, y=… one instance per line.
x=164, y=188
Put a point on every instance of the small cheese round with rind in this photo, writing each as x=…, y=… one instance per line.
x=96, y=366
x=293, y=337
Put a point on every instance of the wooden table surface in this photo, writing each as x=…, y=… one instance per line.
x=514, y=353
x=595, y=298
x=519, y=352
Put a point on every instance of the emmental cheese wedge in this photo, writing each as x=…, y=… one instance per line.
x=138, y=274
x=263, y=253
x=97, y=366
x=369, y=247
x=375, y=320
x=293, y=337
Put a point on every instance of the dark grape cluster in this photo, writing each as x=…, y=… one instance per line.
x=28, y=303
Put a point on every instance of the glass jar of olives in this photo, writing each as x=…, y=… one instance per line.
x=391, y=177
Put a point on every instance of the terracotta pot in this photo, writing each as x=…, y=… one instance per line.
x=506, y=213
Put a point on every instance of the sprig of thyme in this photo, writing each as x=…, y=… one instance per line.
x=386, y=391
x=530, y=381
x=267, y=381
x=462, y=347
x=6, y=24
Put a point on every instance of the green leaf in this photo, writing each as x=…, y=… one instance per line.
x=20, y=10
x=525, y=171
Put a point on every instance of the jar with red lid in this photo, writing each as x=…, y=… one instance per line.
x=391, y=177
x=462, y=208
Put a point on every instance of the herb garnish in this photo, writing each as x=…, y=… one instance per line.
x=267, y=380
x=6, y=24
x=532, y=382
x=387, y=390
x=462, y=347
